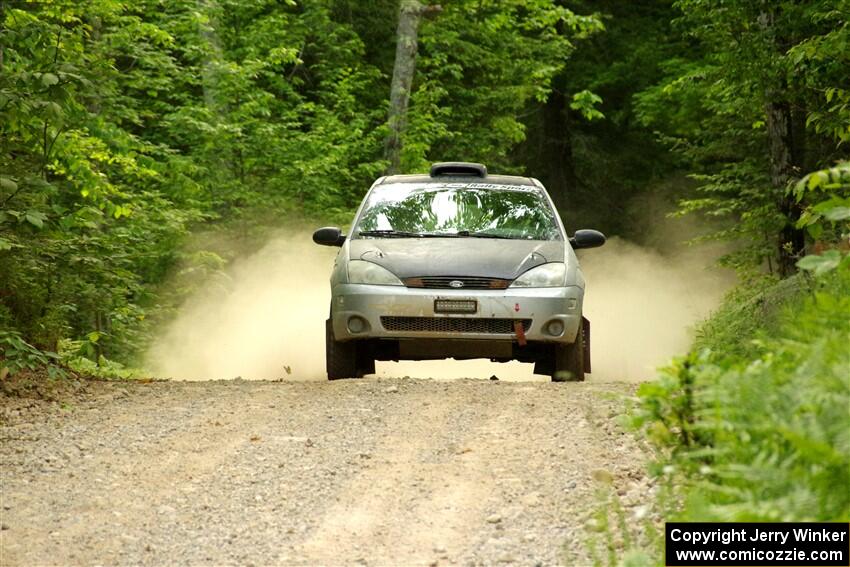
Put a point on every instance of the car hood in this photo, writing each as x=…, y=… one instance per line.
x=474, y=257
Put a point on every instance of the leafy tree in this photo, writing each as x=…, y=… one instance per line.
x=480, y=64
x=585, y=141
x=761, y=103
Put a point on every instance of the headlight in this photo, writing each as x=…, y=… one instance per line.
x=548, y=275
x=363, y=272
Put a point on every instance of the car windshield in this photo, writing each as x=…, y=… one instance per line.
x=457, y=210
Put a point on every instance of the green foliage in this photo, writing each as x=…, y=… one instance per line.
x=585, y=103
x=481, y=63
x=759, y=434
x=126, y=125
x=826, y=196
x=84, y=217
x=823, y=263
x=80, y=356
x=712, y=108
x=826, y=217
x=585, y=142
x=752, y=307
x=16, y=354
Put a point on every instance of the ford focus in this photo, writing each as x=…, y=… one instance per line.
x=457, y=264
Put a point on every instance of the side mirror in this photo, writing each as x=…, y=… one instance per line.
x=587, y=238
x=329, y=236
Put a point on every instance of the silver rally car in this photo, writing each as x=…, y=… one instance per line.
x=457, y=264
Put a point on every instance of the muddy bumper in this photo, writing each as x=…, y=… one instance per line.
x=395, y=312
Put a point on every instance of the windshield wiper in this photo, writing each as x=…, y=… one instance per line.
x=390, y=233
x=468, y=234
x=486, y=235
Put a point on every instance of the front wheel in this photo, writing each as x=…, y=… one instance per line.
x=340, y=357
x=569, y=360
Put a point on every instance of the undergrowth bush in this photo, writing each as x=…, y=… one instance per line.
x=755, y=422
x=16, y=354
x=752, y=424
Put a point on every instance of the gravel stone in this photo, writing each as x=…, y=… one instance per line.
x=298, y=472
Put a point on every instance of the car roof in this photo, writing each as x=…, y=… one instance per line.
x=492, y=179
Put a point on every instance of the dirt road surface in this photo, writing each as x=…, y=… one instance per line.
x=370, y=472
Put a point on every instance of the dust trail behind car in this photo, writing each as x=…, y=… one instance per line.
x=267, y=321
x=643, y=304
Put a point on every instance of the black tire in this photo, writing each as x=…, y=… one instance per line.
x=569, y=360
x=340, y=357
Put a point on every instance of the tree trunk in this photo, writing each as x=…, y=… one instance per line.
x=213, y=57
x=410, y=13
x=558, y=151
x=783, y=168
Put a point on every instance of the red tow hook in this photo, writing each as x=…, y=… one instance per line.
x=520, y=332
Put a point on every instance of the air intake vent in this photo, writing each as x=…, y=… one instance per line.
x=452, y=325
x=458, y=168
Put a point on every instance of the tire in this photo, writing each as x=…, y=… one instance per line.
x=569, y=360
x=340, y=357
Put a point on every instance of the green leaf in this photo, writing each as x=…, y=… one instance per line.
x=585, y=103
x=8, y=184
x=817, y=179
x=53, y=110
x=829, y=94
x=49, y=79
x=5, y=244
x=35, y=218
x=822, y=264
x=815, y=230
x=837, y=213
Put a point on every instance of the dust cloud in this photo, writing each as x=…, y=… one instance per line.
x=643, y=304
x=267, y=321
x=268, y=316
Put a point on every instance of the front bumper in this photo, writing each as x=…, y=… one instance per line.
x=540, y=305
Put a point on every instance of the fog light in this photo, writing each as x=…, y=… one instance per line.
x=555, y=328
x=356, y=324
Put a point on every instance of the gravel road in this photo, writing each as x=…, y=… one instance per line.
x=370, y=472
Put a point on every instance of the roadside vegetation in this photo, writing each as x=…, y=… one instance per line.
x=751, y=425
x=760, y=434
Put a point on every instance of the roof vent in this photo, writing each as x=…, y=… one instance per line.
x=458, y=168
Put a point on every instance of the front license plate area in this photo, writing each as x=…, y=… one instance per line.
x=455, y=306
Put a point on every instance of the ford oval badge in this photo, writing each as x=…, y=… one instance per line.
x=455, y=283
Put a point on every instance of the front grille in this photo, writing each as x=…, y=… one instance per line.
x=445, y=282
x=452, y=325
